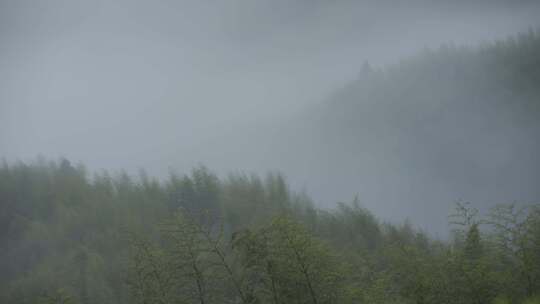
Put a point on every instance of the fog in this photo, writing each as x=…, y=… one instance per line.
x=164, y=85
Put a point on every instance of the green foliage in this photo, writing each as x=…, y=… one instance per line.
x=59, y=296
x=292, y=266
x=68, y=238
x=124, y=240
x=533, y=300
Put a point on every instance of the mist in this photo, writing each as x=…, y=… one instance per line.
x=168, y=85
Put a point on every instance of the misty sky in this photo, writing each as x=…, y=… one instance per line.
x=143, y=84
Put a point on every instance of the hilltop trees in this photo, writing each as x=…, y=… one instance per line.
x=201, y=239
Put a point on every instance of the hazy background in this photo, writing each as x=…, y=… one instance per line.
x=170, y=84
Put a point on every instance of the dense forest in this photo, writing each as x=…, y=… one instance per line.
x=72, y=235
x=196, y=238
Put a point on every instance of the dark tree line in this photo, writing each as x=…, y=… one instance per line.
x=69, y=238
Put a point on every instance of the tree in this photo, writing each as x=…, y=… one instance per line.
x=517, y=237
x=472, y=272
x=291, y=265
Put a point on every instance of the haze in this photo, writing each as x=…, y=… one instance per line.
x=164, y=85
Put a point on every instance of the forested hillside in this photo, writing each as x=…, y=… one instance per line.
x=270, y=152
x=455, y=124
x=68, y=237
x=411, y=138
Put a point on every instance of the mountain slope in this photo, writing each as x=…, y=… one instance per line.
x=457, y=123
